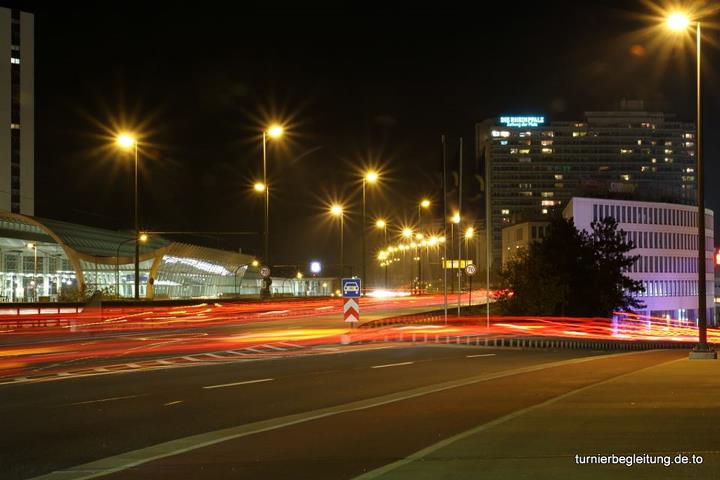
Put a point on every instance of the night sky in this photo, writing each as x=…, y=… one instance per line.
x=354, y=88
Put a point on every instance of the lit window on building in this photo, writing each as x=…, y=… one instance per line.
x=545, y=143
x=625, y=177
x=547, y=203
x=625, y=151
x=15, y=126
x=16, y=61
x=547, y=194
x=505, y=211
x=544, y=211
x=524, y=151
x=579, y=134
x=547, y=150
x=558, y=176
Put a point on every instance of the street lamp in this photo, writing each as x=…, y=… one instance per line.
x=336, y=210
x=424, y=203
x=382, y=224
x=142, y=238
x=371, y=177
x=680, y=22
x=273, y=131
x=129, y=142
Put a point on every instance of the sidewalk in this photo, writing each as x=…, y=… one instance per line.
x=665, y=410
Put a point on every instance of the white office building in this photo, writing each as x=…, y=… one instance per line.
x=665, y=235
x=17, y=112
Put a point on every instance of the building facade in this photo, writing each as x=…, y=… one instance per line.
x=665, y=238
x=516, y=238
x=17, y=112
x=534, y=166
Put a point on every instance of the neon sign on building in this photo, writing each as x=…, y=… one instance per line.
x=526, y=121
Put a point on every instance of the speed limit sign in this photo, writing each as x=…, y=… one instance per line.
x=471, y=270
x=264, y=271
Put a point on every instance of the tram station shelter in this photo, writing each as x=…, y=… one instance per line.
x=50, y=260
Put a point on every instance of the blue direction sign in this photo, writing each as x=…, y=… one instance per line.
x=351, y=287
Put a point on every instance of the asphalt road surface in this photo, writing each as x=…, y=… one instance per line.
x=336, y=415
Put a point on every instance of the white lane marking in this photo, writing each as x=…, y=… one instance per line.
x=254, y=350
x=192, y=359
x=481, y=355
x=293, y=345
x=165, y=362
x=324, y=308
x=133, y=365
x=213, y=355
x=239, y=383
x=100, y=369
x=102, y=400
x=273, y=347
x=273, y=312
x=172, y=403
x=420, y=454
x=235, y=352
x=392, y=365
x=124, y=461
x=64, y=374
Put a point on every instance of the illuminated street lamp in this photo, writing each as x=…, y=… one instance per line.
x=407, y=233
x=140, y=238
x=424, y=203
x=382, y=224
x=337, y=211
x=129, y=142
x=371, y=177
x=255, y=263
x=273, y=131
x=680, y=22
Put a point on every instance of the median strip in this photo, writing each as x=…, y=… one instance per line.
x=481, y=355
x=209, y=387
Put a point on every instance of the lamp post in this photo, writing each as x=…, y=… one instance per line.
x=274, y=132
x=680, y=22
x=372, y=178
x=407, y=234
x=33, y=247
x=140, y=238
x=382, y=224
x=424, y=203
x=336, y=210
x=127, y=142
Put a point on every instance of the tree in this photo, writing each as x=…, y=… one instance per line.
x=572, y=273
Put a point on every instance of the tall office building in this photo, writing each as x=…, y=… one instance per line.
x=533, y=166
x=17, y=112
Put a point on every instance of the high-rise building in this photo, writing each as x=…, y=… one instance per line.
x=533, y=166
x=17, y=112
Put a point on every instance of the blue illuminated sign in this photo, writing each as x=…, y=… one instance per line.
x=528, y=121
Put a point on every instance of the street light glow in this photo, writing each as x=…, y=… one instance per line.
x=380, y=223
x=143, y=237
x=31, y=246
x=275, y=131
x=455, y=218
x=255, y=263
x=678, y=21
x=259, y=187
x=407, y=232
x=470, y=232
x=371, y=176
x=425, y=203
x=336, y=210
x=125, y=140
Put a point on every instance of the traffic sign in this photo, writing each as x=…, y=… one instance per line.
x=471, y=270
x=351, y=287
x=265, y=271
x=351, y=310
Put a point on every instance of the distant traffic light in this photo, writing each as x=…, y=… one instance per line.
x=717, y=258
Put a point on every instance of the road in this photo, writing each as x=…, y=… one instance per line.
x=336, y=415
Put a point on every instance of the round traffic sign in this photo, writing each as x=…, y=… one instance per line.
x=471, y=270
x=264, y=271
